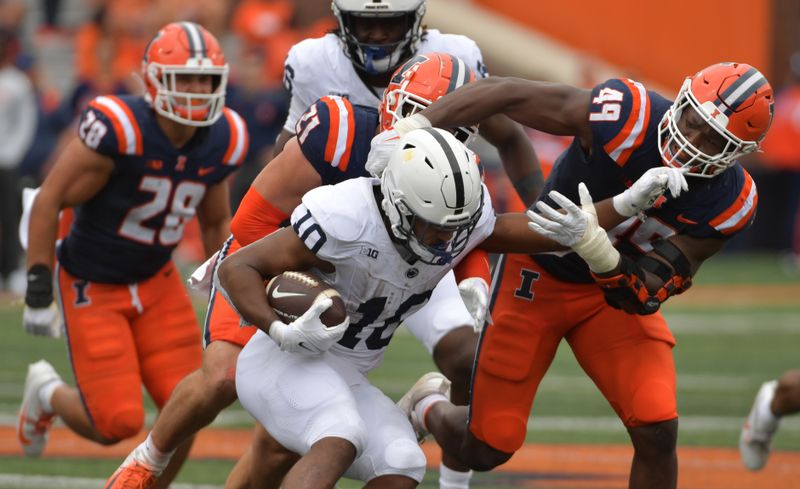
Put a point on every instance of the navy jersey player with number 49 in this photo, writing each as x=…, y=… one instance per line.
x=621, y=131
x=139, y=170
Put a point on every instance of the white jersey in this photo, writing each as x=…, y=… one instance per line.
x=318, y=67
x=343, y=226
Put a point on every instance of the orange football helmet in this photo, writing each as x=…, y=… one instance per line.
x=419, y=82
x=735, y=99
x=184, y=48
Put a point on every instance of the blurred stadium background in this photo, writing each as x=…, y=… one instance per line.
x=738, y=326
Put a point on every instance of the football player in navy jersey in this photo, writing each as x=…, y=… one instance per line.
x=332, y=145
x=618, y=336
x=139, y=170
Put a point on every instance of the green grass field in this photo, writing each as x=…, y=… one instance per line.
x=724, y=352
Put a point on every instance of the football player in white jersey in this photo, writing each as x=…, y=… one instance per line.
x=306, y=382
x=356, y=62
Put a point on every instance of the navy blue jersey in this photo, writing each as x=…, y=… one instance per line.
x=335, y=137
x=624, y=119
x=127, y=231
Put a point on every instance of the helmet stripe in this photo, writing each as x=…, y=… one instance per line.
x=743, y=88
x=458, y=178
x=455, y=73
x=196, y=43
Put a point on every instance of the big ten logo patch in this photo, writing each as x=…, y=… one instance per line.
x=525, y=290
x=370, y=252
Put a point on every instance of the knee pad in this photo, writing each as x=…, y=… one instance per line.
x=403, y=457
x=121, y=423
x=503, y=431
x=653, y=402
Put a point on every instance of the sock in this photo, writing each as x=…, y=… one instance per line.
x=46, y=394
x=149, y=454
x=453, y=479
x=421, y=408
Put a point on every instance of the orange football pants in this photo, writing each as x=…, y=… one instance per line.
x=120, y=337
x=629, y=357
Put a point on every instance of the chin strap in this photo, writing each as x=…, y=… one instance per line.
x=627, y=290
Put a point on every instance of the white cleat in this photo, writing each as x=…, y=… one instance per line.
x=33, y=423
x=428, y=384
x=757, y=432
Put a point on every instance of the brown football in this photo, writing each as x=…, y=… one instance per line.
x=291, y=294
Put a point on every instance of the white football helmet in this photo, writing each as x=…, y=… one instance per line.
x=379, y=58
x=432, y=187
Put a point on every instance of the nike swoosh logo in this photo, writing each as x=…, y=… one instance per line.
x=277, y=294
x=303, y=345
x=205, y=171
x=685, y=220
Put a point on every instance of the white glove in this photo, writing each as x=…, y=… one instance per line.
x=42, y=321
x=201, y=279
x=407, y=124
x=475, y=294
x=578, y=229
x=648, y=188
x=307, y=334
x=381, y=148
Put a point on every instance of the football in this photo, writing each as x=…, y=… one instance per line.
x=291, y=294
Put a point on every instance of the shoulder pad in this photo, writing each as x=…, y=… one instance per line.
x=341, y=209
x=619, y=115
x=238, y=138
x=109, y=126
x=326, y=131
x=741, y=208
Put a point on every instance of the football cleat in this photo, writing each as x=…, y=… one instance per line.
x=757, y=432
x=33, y=423
x=132, y=474
x=429, y=384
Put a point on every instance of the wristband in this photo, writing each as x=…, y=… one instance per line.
x=39, y=293
x=598, y=252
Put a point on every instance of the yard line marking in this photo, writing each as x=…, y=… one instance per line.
x=22, y=481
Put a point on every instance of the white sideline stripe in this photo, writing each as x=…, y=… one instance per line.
x=610, y=423
x=552, y=423
x=22, y=481
x=734, y=324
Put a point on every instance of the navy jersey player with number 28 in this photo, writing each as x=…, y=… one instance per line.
x=139, y=170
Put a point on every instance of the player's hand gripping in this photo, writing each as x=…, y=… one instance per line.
x=648, y=188
x=578, y=229
x=307, y=334
x=475, y=294
x=381, y=148
x=41, y=316
x=384, y=143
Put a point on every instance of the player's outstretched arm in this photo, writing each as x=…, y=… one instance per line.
x=512, y=234
x=517, y=155
x=549, y=107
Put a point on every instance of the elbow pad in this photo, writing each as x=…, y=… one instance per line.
x=627, y=290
